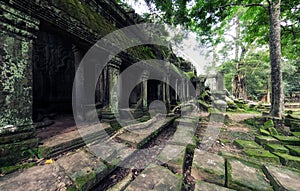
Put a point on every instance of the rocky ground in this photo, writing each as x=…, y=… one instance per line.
x=236, y=152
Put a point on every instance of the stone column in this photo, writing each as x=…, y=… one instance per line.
x=183, y=89
x=79, y=79
x=159, y=90
x=167, y=93
x=176, y=90
x=187, y=89
x=113, y=69
x=220, y=81
x=164, y=90
x=145, y=76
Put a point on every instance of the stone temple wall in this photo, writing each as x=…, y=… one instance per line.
x=83, y=22
x=16, y=37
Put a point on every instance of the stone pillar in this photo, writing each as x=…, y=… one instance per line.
x=183, y=90
x=176, y=90
x=159, y=90
x=220, y=81
x=187, y=89
x=164, y=90
x=113, y=69
x=79, y=79
x=145, y=76
x=167, y=92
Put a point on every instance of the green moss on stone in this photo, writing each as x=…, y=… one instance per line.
x=273, y=131
x=276, y=148
x=264, y=132
x=289, y=160
x=289, y=140
x=262, y=140
x=297, y=134
x=81, y=181
x=268, y=124
x=294, y=150
x=261, y=154
x=242, y=144
x=10, y=169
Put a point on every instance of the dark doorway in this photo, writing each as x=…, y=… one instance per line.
x=53, y=75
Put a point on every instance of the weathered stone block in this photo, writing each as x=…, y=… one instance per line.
x=209, y=167
x=173, y=156
x=268, y=124
x=276, y=148
x=44, y=177
x=84, y=169
x=16, y=137
x=294, y=150
x=262, y=155
x=262, y=140
x=184, y=136
x=288, y=140
x=156, y=178
x=15, y=152
x=242, y=144
x=264, y=132
x=289, y=160
x=297, y=134
x=295, y=126
x=282, y=178
x=205, y=186
x=244, y=177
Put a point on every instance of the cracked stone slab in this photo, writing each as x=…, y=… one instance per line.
x=184, y=136
x=205, y=186
x=209, y=167
x=173, y=156
x=156, y=178
x=138, y=137
x=45, y=177
x=244, y=177
x=85, y=169
x=282, y=178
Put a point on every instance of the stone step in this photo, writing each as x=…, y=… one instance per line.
x=242, y=144
x=241, y=176
x=289, y=160
x=174, y=157
x=184, y=136
x=294, y=150
x=282, y=178
x=297, y=134
x=288, y=140
x=276, y=148
x=205, y=186
x=208, y=167
x=84, y=169
x=45, y=177
x=261, y=155
x=61, y=143
x=262, y=140
x=12, y=153
x=156, y=178
x=138, y=135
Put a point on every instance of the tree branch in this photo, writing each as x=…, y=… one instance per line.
x=244, y=5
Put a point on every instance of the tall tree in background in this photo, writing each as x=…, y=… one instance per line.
x=207, y=18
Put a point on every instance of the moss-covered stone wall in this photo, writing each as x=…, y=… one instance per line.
x=15, y=66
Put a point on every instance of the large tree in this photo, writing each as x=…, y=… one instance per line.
x=207, y=17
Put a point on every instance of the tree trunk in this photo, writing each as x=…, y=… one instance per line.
x=238, y=81
x=277, y=97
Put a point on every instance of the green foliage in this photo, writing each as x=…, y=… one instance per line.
x=212, y=20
